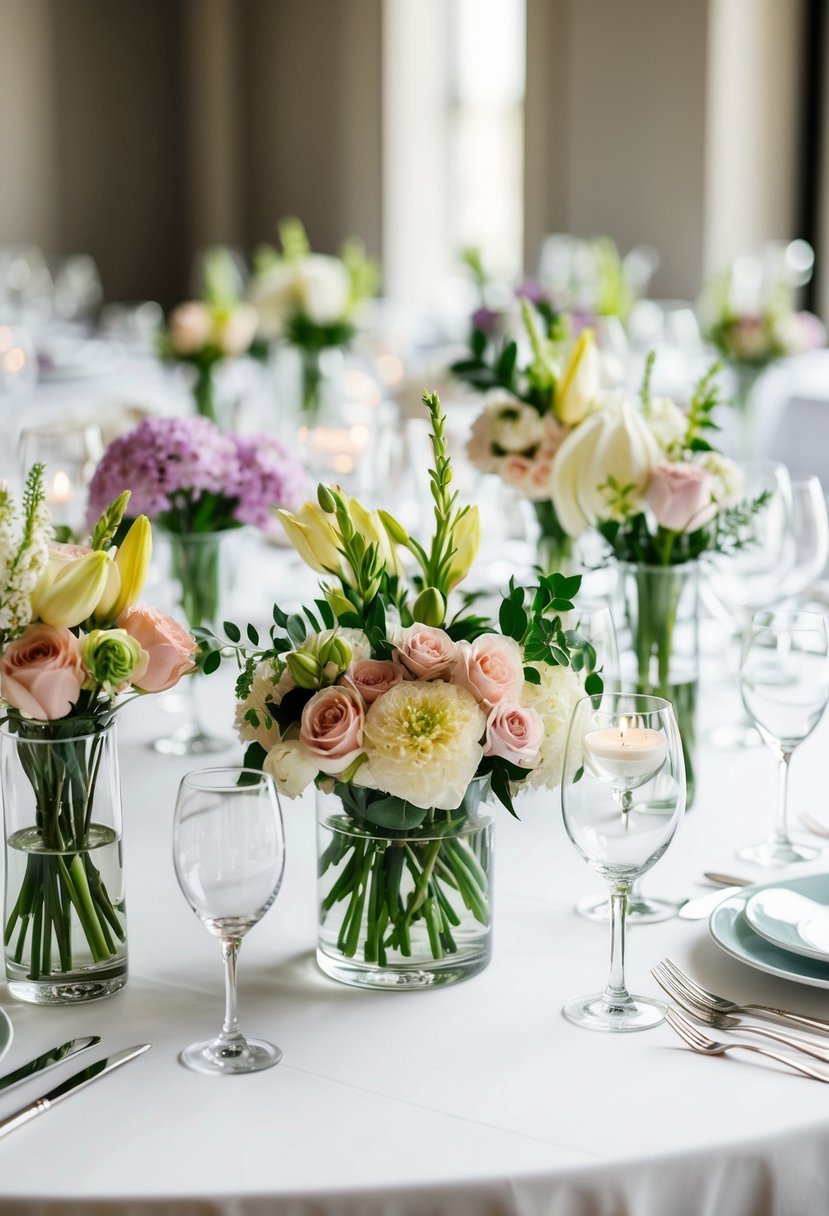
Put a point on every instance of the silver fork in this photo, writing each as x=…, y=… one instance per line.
x=700, y=1042
x=720, y=1004
x=728, y=1021
x=814, y=825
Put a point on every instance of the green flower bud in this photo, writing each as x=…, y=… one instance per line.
x=326, y=499
x=304, y=669
x=397, y=533
x=430, y=607
x=112, y=658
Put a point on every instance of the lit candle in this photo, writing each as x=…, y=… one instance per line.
x=60, y=492
x=625, y=753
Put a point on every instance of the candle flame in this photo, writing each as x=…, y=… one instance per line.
x=61, y=490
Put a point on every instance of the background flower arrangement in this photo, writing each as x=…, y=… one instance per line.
x=406, y=709
x=73, y=639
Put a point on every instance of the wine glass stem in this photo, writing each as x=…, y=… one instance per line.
x=781, y=834
x=230, y=1029
x=616, y=995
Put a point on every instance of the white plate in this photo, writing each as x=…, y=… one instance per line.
x=791, y=921
x=732, y=933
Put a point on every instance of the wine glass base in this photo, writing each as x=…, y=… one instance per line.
x=773, y=853
x=595, y=1013
x=735, y=737
x=190, y=741
x=219, y=1059
x=641, y=909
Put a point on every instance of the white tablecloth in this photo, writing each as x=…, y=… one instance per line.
x=472, y=1100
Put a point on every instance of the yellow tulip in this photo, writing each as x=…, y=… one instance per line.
x=467, y=540
x=132, y=561
x=76, y=592
x=313, y=537
x=580, y=381
x=370, y=525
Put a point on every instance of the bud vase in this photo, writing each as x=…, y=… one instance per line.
x=403, y=907
x=200, y=571
x=659, y=624
x=64, y=917
x=746, y=376
x=554, y=548
x=307, y=383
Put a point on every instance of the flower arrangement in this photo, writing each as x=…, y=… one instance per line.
x=207, y=332
x=529, y=412
x=406, y=708
x=310, y=300
x=757, y=330
x=73, y=640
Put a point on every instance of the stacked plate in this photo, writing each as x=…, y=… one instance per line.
x=779, y=927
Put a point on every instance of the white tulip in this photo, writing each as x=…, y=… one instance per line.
x=580, y=381
x=614, y=442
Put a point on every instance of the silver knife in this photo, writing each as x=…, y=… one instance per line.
x=699, y=909
x=70, y=1086
x=48, y=1060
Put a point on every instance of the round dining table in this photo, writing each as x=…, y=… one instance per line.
x=477, y=1099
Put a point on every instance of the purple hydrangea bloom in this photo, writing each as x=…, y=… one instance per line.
x=169, y=462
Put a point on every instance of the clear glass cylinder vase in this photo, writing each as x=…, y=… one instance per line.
x=307, y=383
x=404, y=908
x=658, y=622
x=64, y=914
x=200, y=571
x=554, y=548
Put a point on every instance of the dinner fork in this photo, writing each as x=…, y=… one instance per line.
x=815, y=826
x=720, y=1004
x=700, y=1042
x=728, y=1021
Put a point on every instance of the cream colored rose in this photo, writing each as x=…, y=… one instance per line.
x=291, y=767
x=515, y=427
x=322, y=288
x=614, y=443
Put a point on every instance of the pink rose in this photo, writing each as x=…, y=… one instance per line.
x=331, y=730
x=41, y=672
x=681, y=496
x=374, y=677
x=538, y=485
x=426, y=652
x=516, y=470
x=514, y=733
x=189, y=327
x=491, y=668
x=168, y=646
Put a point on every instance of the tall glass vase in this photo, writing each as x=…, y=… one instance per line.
x=746, y=376
x=64, y=914
x=553, y=547
x=660, y=618
x=307, y=386
x=403, y=907
x=201, y=568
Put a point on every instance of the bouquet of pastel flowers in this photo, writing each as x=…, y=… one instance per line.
x=393, y=695
x=73, y=640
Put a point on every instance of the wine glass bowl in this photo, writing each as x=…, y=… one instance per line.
x=229, y=857
x=784, y=683
x=617, y=746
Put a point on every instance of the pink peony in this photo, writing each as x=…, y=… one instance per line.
x=514, y=733
x=331, y=730
x=491, y=668
x=374, y=677
x=169, y=647
x=41, y=672
x=681, y=497
x=426, y=652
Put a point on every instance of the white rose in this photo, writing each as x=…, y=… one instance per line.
x=291, y=768
x=323, y=288
x=273, y=295
x=514, y=426
x=614, y=442
x=554, y=700
x=479, y=445
x=668, y=424
x=190, y=327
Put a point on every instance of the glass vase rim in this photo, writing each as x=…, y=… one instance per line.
x=672, y=567
x=97, y=733
x=657, y=704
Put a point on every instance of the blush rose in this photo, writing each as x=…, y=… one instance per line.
x=331, y=729
x=515, y=733
x=169, y=647
x=41, y=672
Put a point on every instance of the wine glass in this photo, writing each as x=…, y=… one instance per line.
x=784, y=681
x=810, y=534
x=229, y=855
x=618, y=743
x=752, y=578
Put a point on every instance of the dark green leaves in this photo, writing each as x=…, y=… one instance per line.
x=233, y=632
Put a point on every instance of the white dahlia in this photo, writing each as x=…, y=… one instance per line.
x=554, y=700
x=423, y=742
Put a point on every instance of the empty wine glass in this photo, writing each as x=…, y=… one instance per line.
x=229, y=855
x=618, y=743
x=740, y=583
x=784, y=681
x=810, y=535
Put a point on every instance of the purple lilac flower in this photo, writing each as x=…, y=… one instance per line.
x=164, y=461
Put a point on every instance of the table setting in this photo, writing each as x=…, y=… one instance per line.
x=396, y=777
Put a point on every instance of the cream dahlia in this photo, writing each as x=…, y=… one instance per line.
x=423, y=742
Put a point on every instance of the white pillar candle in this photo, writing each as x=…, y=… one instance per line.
x=623, y=753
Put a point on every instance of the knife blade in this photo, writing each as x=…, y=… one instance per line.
x=70, y=1086
x=49, y=1059
x=699, y=909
